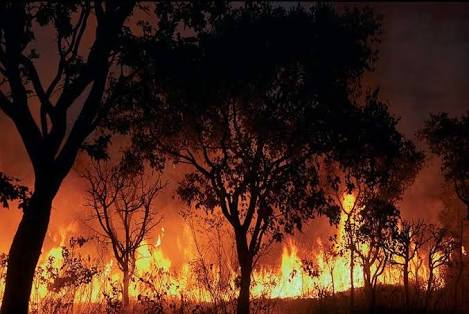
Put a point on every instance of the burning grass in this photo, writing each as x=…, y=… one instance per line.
x=75, y=277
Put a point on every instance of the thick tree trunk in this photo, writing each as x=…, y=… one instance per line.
x=245, y=264
x=244, y=291
x=125, y=289
x=25, y=251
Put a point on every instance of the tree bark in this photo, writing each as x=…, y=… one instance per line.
x=244, y=291
x=25, y=251
x=125, y=289
x=245, y=261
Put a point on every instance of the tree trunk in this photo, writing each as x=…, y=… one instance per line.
x=368, y=284
x=25, y=251
x=428, y=293
x=245, y=264
x=373, y=299
x=352, y=287
x=406, y=283
x=244, y=291
x=125, y=289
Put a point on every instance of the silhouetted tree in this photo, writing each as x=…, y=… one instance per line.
x=90, y=76
x=405, y=246
x=386, y=171
x=330, y=255
x=263, y=98
x=53, y=143
x=440, y=247
x=349, y=208
x=452, y=217
x=376, y=223
x=123, y=204
x=449, y=138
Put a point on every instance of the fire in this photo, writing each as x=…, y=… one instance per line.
x=291, y=276
x=300, y=273
x=348, y=201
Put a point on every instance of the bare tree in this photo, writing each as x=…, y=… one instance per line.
x=407, y=241
x=440, y=247
x=123, y=206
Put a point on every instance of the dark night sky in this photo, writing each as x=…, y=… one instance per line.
x=423, y=68
x=424, y=60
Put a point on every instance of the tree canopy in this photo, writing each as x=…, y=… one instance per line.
x=449, y=138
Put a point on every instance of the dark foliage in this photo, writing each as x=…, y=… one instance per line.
x=449, y=139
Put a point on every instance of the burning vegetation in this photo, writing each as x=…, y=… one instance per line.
x=81, y=274
x=262, y=112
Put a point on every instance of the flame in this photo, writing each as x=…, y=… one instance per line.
x=291, y=278
x=348, y=201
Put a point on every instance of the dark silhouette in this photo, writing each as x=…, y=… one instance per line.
x=264, y=105
x=406, y=244
x=382, y=172
x=10, y=190
x=256, y=103
x=376, y=223
x=349, y=207
x=440, y=247
x=449, y=139
x=453, y=219
x=123, y=204
x=52, y=145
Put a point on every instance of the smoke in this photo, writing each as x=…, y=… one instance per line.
x=422, y=69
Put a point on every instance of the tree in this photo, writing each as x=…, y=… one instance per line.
x=452, y=218
x=52, y=144
x=440, y=247
x=123, y=204
x=262, y=101
x=449, y=139
x=349, y=208
x=381, y=171
x=376, y=223
x=406, y=244
x=330, y=254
